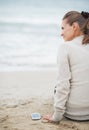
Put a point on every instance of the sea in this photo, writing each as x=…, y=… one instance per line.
x=30, y=32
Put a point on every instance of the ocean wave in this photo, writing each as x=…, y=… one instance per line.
x=32, y=21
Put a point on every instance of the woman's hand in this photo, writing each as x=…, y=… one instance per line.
x=49, y=118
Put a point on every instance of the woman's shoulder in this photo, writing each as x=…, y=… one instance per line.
x=69, y=45
x=66, y=48
x=65, y=45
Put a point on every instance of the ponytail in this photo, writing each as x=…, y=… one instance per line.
x=85, y=27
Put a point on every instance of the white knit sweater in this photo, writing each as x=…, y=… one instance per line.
x=71, y=97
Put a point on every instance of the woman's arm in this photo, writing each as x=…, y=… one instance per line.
x=62, y=88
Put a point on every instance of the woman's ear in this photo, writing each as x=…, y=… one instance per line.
x=75, y=26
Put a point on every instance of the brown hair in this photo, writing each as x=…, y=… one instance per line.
x=82, y=19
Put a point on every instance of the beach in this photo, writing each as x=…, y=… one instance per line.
x=25, y=92
x=29, y=42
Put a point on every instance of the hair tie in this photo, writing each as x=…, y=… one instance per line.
x=85, y=14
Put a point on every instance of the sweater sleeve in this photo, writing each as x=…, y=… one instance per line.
x=62, y=87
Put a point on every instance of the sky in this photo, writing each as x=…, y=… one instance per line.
x=58, y=4
x=41, y=8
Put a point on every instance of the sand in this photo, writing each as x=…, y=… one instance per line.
x=23, y=93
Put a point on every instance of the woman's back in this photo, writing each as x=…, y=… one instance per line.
x=78, y=102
